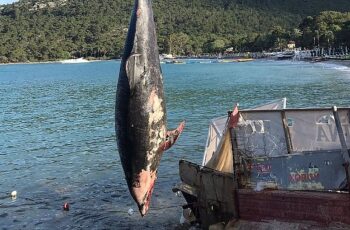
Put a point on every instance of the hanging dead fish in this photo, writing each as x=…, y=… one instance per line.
x=140, y=115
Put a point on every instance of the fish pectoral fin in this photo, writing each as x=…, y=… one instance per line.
x=172, y=136
x=130, y=68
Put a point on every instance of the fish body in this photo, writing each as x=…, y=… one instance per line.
x=140, y=115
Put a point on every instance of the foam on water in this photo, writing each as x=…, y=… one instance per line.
x=335, y=66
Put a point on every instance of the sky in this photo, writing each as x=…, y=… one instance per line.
x=7, y=1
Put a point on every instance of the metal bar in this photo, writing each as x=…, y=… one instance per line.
x=287, y=133
x=284, y=103
x=344, y=148
x=289, y=110
x=206, y=146
x=217, y=129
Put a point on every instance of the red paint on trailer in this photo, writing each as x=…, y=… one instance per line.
x=293, y=206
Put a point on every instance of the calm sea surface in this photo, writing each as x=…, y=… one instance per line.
x=57, y=140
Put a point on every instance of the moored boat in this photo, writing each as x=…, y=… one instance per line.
x=178, y=62
x=235, y=60
x=74, y=61
x=286, y=55
x=272, y=163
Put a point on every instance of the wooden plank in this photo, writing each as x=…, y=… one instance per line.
x=287, y=133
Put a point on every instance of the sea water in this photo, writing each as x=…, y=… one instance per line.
x=57, y=139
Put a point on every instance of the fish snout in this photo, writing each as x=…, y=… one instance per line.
x=143, y=210
x=142, y=190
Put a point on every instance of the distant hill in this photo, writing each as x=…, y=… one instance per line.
x=37, y=30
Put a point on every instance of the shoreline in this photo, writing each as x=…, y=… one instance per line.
x=345, y=63
x=50, y=62
x=30, y=63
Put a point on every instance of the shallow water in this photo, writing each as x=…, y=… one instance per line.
x=57, y=140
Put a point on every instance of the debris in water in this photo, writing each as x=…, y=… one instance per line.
x=187, y=216
x=66, y=207
x=131, y=211
x=14, y=195
x=178, y=194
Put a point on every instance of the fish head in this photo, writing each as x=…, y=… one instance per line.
x=142, y=188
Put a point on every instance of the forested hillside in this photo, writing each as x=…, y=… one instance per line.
x=37, y=30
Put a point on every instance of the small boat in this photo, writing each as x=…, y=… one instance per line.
x=285, y=55
x=178, y=62
x=244, y=59
x=272, y=163
x=74, y=61
x=235, y=60
x=167, y=56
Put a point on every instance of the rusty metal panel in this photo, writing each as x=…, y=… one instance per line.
x=216, y=197
x=189, y=173
x=295, y=206
x=215, y=192
x=317, y=170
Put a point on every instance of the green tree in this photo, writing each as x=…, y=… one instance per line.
x=75, y=28
x=178, y=43
x=218, y=45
